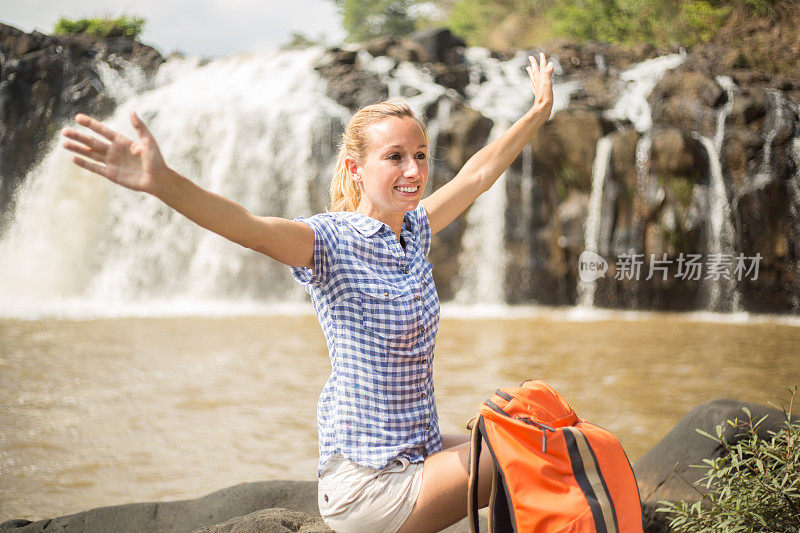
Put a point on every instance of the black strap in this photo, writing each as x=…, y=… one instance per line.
x=472, y=489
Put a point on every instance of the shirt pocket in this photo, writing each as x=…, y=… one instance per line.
x=386, y=310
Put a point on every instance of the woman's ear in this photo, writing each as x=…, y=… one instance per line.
x=352, y=169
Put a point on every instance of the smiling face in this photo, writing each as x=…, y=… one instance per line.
x=394, y=172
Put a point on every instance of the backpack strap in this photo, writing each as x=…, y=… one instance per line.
x=472, y=489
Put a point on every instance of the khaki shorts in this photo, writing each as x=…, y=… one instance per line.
x=358, y=499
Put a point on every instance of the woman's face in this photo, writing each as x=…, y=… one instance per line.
x=395, y=171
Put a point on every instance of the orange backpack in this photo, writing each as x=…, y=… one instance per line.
x=552, y=471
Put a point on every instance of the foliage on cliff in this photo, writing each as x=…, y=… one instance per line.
x=503, y=24
x=101, y=28
x=755, y=486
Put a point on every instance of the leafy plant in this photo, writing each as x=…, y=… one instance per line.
x=101, y=28
x=366, y=19
x=754, y=486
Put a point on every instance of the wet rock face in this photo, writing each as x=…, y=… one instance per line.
x=349, y=84
x=716, y=113
x=44, y=81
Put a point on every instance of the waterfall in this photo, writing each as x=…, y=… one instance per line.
x=638, y=82
x=504, y=97
x=723, y=293
x=261, y=130
x=591, y=235
x=240, y=126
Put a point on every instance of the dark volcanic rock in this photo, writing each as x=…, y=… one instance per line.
x=439, y=46
x=348, y=83
x=44, y=81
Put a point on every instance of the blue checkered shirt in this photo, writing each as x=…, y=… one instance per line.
x=379, y=311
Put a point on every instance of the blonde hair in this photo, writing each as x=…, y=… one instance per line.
x=345, y=193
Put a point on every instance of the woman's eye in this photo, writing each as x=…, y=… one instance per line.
x=394, y=156
x=421, y=156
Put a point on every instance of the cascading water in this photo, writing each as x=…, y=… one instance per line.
x=504, y=97
x=632, y=106
x=600, y=167
x=260, y=130
x=723, y=293
x=240, y=126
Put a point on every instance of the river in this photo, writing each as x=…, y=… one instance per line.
x=104, y=411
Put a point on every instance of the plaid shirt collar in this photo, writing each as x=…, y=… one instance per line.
x=369, y=226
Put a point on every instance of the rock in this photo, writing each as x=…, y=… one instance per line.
x=183, y=516
x=675, y=153
x=46, y=81
x=463, y=134
x=665, y=472
x=270, y=521
x=439, y=46
x=564, y=150
x=451, y=76
x=687, y=100
x=349, y=84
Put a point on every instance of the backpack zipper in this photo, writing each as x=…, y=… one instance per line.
x=528, y=420
x=544, y=427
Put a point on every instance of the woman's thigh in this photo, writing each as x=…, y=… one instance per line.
x=442, y=500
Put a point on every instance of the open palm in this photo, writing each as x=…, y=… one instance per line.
x=135, y=165
x=541, y=75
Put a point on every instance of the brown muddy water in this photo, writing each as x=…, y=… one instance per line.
x=109, y=411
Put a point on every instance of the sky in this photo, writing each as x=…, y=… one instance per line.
x=208, y=28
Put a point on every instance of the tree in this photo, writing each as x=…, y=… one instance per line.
x=367, y=19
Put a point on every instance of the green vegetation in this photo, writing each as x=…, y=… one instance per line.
x=681, y=188
x=366, y=19
x=755, y=486
x=101, y=28
x=525, y=23
x=299, y=41
x=567, y=179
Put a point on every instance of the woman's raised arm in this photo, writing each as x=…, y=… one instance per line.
x=482, y=169
x=140, y=166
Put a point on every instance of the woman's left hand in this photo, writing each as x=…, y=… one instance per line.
x=541, y=75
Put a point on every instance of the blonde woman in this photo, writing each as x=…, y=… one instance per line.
x=383, y=466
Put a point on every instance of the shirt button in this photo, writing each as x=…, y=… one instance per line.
x=386, y=293
x=424, y=395
x=423, y=329
x=407, y=270
x=418, y=297
x=424, y=361
x=427, y=427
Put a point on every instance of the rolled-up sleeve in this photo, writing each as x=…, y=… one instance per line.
x=325, y=243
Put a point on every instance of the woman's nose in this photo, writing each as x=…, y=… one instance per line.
x=413, y=168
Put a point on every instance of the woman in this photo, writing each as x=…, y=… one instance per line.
x=383, y=465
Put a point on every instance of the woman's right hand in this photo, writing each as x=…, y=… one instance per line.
x=135, y=165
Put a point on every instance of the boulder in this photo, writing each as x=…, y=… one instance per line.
x=186, y=515
x=687, y=100
x=666, y=473
x=270, y=521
